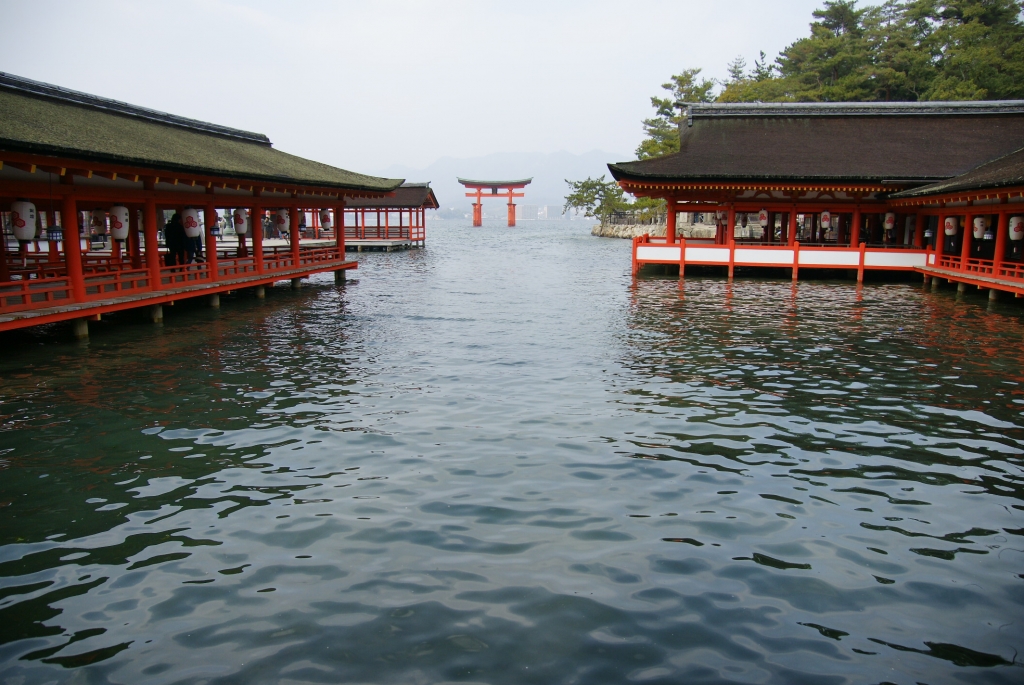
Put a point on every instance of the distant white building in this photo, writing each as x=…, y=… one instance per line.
x=526, y=212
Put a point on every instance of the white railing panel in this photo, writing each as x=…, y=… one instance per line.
x=648, y=253
x=830, y=258
x=707, y=254
x=747, y=255
x=895, y=258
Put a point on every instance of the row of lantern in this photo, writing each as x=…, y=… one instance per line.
x=240, y=219
x=982, y=228
x=24, y=218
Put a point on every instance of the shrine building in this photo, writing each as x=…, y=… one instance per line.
x=926, y=187
x=73, y=166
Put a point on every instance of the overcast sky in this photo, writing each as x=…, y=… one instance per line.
x=364, y=85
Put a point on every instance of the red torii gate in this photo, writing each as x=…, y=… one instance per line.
x=497, y=189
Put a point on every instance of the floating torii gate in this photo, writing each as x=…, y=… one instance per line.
x=496, y=189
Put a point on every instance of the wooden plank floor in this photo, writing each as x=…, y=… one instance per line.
x=980, y=280
x=130, y=300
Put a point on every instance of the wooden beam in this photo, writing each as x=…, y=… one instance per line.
x=28, y=168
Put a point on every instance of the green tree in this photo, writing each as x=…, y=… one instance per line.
x=899, y=50
x=595, y=197
x=978, y=47
x=662, y=130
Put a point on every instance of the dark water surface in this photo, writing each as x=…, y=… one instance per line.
x=499, y=460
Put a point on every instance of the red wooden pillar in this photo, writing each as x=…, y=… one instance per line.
x=965, y=247
x=257, y=237
x=478, y=214
x=72, y=248
x=293, y=234
x=730, y=229
x=1002, y=233
x=209, y=221
x=792, y=227
x=919, y=221
x=670, y=222
x=152, y=243
x=855, y=228
x=940, y=239
x=511, y=210
x=387, y=224
x=339, y=230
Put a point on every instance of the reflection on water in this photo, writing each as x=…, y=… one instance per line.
x=509, y=463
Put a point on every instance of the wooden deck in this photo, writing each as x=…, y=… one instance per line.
x=43, y=293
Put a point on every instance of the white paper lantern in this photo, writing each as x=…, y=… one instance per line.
x=1016, y=228
x=889, y=222
x=325, y=219
x=119, y=222
x=23, y=220
x=281, y=219
x=951, y=224
x=978, y=226
x=98, y=221
x=190, y=220
x=762, y=218
x=240, y=218
x=826, y=219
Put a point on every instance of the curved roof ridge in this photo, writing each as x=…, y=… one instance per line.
x=50, y=91
x=931, y=108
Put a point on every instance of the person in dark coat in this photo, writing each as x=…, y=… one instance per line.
x=174, y=237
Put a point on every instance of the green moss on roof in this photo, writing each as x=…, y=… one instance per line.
x=38, y=124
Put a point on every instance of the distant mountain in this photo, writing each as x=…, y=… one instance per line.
x=549, y=172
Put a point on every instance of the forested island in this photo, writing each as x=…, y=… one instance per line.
x=901, y=50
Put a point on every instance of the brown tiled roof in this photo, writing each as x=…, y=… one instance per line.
x=869, y=142
x=999, y=173
x=45, y=119
x=409, y=195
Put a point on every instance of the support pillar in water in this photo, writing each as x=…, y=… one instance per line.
x=296, y=283
x=961, y=287
x=215, y=300
x=993, y=294
x=260, y=291
x=156, y=313
x=80, y=329
x=935, y=283
x=339, y=276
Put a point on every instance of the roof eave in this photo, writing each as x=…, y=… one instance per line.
x=89, y=157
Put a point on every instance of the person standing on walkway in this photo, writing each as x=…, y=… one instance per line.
x=174, y=237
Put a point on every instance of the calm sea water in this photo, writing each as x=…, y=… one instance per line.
x=501, y=460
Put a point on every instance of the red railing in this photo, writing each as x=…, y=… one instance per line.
x=36, y=284
x=34, y=293
x=98, y=286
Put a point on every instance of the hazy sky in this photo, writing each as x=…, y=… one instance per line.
x=363, y=85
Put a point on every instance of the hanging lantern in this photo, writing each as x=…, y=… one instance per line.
x=1016, y=228
x=951, y=225
x=240, y=217
x=119, y=222
x=190, y=220
x=889, y=222
x=978, y=226
x=826, y=219
x=281, y=219
x=23, y=220
x=762, y=218
x=325, y=219
x=98, y=221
